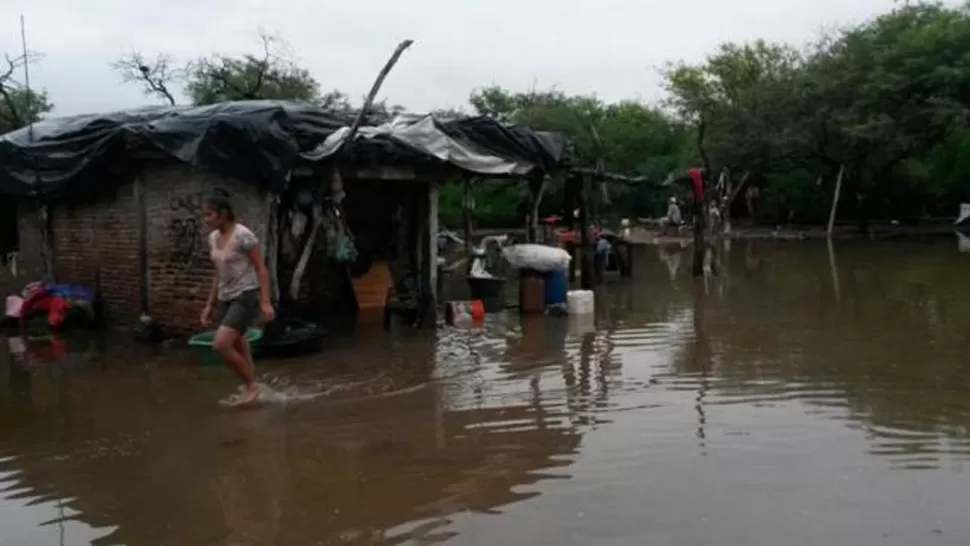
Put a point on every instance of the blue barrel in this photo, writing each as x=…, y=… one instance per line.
x=556, y=287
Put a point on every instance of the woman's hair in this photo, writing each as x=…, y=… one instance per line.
x=219, y=202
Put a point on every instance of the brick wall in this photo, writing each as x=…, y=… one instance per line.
x=99, y=242
x=179, y=268
x=96, y=244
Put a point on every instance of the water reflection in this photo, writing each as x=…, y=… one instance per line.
x=121, y=449
x=890, y=351
x=805, y=394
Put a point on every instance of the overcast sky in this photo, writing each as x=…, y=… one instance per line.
x=609, y=47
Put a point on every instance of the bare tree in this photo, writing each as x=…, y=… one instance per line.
x=155, y=76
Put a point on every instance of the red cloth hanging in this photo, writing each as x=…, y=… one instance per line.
x=697, y=183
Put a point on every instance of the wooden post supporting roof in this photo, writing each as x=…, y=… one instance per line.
x=698, y=221
x=585, y=245
x=537, y=187
x=467, y=213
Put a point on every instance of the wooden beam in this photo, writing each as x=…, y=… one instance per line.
x=433, y=241
x=585, y=250
x=834, y=270
x=369, y=101
x=467, y=212
x=699, y=244
x=835, y=202
x=537, y=187
x=613, y=177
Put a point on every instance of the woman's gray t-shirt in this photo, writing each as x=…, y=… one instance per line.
x=233, y=266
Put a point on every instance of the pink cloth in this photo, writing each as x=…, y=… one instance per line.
x=15, y=305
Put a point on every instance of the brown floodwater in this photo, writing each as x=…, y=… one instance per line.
x=795, y=399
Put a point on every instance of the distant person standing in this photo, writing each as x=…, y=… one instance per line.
x=240, y=290
x=674, y=217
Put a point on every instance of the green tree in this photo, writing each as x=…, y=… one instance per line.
x=269, y=74
x=739, y=103
x=886, y=99
x=886, y=96
x=20, y=106
x=637, y=139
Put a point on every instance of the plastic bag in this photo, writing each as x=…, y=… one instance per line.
x=479, y=270
x=537, y=257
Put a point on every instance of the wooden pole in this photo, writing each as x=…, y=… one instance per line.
x=336, y=183
x=537, y=189
x=467, y=210
x=369, y=101
x=432, y=242
x=699, y=236
x=834, y=269
x=43, y=210
x=584, y=243
x=570, y=199
x=835, y=202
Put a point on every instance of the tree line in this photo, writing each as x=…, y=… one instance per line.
x=886, y=101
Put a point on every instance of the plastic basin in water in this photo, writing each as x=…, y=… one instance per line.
x=202, y=343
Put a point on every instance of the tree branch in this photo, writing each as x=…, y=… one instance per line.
x=221, y=74
x=154, y=76
x=8, y=85
x=262, y=66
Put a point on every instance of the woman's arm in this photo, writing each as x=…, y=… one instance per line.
x=213, y=290
x=262, y=272
x=206, y=317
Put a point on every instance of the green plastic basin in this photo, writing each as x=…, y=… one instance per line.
x=202, y=344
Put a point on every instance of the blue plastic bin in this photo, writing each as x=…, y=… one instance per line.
x=557, y=284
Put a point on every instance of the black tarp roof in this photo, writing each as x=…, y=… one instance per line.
x=256, y=141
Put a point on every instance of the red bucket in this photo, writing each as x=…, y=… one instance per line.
x=463, y=312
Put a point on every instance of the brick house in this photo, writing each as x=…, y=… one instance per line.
x=122, y=196
x=144, y=246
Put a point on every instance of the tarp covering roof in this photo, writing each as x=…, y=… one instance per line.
x=256, y=141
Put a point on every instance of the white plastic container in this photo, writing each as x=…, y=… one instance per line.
x=581, y=325
x=580, y=302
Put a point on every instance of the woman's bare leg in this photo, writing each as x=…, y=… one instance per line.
x=243, y=346
x=234, y=349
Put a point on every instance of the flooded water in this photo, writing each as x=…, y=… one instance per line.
x=794, y=400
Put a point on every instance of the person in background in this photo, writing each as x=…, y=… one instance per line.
x=714, y=216
x=674, y=218
x=240, y=290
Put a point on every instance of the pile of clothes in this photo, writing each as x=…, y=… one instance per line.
x=57, y=301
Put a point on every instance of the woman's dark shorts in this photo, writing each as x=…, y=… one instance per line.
x=241, y=312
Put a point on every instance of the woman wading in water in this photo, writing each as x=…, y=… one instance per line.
x=240, y=290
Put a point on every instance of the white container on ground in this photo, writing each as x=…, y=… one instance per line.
x=580, y=302
x=581, y=325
